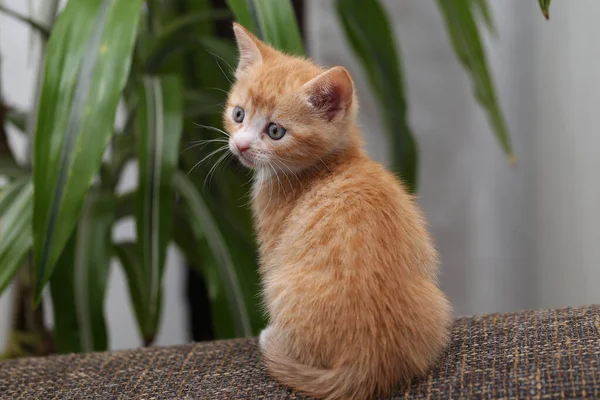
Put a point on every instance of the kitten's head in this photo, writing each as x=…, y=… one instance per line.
x=286, y=113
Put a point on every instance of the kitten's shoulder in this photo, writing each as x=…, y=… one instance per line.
x=364, y=178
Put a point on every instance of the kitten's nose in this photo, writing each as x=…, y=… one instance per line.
x=242, y=147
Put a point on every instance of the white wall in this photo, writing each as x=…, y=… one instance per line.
x=510, y=238
x=567, y=100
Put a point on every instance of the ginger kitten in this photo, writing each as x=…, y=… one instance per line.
x=348, y=268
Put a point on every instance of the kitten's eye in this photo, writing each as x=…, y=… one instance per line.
x=275, y=131
x=238, y=114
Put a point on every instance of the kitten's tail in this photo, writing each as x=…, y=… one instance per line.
x=346, y=383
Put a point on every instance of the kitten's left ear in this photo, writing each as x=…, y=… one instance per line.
x=331, y=92
x=249, y=46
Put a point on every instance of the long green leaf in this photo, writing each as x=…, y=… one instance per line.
x=220, y=51
x=483, y=7
x=275, y=20
x=126, y=205
x=16, y=209
x=244, y=15
x=129, y=260
x=201, y=217
x=160, y=120
x=189, y=20
x=186, y=238
x=177, y=36
x=10, y=168
x=78, y=284
x=223, y=50
x=279, y=25
x=87, y=63
x=198, y=104
x=545, y=7
x=466, y=42
x=370, y=35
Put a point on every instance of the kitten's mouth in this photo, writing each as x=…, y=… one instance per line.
x=246, y=159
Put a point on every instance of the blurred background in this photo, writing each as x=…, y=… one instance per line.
x=510, y=237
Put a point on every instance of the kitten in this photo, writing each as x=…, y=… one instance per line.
x=348, y=268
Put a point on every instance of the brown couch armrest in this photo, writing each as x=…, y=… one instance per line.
x=532, y=354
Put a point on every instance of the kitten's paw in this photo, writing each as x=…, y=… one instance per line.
x=264, y=335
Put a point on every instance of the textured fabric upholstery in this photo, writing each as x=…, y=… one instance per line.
x=540, y=355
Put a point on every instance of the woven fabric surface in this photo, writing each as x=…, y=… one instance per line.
x=532, y=354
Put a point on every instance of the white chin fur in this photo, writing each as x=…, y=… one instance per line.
x=246, y=162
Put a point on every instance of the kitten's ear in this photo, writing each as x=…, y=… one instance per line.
x=249, y=48
x=331, y=92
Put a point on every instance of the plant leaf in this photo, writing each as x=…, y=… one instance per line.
x=244, y=15
x=545, y=7
x=192, y=243
x=223, y=50
x=483, y=7
x=274, y=21
x=16, y=210
x=201, y=103
x=466, y=42
x=10, y=168
x=125, y=205
x=160, y=121
x=200, y=215
x=78, y=284
x=86, y=67
x=189, y=20
x=278, y=24
x=370, y=35
x=177, y=36
x=129, y=260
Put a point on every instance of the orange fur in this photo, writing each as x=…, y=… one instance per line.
x=348, y=268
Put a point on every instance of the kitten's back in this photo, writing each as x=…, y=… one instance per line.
x=355, y=253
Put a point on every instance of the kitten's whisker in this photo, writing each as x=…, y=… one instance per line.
x=212, y=128
x=219, y=89
x=284, y=174
x=277, y=176
x=247, y=194
x=231, y=69
x=325, y=164
x=213, y=168
x=208, y=108
x=210, y=140
x=224, y=74
x=203, y=143
x=282, y=163
x=208, y=156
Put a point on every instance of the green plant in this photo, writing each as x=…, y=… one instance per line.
x=163, y=63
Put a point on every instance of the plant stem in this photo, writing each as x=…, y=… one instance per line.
x=29, y=335
x=152, y=13
x=34, y=24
